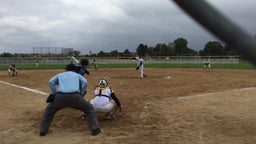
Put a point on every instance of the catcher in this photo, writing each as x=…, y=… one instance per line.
x=105, y=100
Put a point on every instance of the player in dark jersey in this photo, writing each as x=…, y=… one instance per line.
x=82, y=67
x=12, y=71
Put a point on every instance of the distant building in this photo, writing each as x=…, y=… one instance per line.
x=66, y=51
x=52, y=50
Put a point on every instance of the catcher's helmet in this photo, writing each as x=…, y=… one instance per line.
x=103, y=83
x=84, y=61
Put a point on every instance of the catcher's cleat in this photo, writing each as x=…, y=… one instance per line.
x=109, y=117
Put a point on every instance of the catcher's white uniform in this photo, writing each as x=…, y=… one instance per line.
x=105, y=100
x=102, y=101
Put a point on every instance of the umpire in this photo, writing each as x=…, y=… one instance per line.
x=71, y=88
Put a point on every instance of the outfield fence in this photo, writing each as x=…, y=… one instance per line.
x=227, y=60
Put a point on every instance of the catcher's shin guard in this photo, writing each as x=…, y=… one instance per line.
x=111, y=115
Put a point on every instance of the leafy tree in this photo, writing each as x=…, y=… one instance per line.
x=127, y=52
x=6, y=54
x=114, y=53
x=142, y=50
x=150, y=50
x=190, y=52
x=101, y=53
x=180, y=45
x=202, y=53
x=214, y=48
x=162, y=50
x=21, y=55
x=165, y=48
x=157, y=48
x=172, y=48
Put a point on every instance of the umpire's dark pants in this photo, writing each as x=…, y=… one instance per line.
x=73, y=100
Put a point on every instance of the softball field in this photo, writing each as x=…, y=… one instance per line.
x=169, y=106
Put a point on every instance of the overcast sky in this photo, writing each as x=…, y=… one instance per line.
x=106, y=25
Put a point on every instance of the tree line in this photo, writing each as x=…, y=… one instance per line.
x=176, y=48
x=179, y=48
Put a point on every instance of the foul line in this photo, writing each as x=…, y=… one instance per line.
x=211, y=94
x=25, y=88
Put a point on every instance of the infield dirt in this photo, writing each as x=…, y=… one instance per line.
x=169, y=106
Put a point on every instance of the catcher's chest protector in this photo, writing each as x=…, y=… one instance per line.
x=102, y=91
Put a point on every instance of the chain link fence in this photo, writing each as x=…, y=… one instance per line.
x=223, y=60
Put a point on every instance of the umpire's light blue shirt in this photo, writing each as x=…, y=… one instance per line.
x=68, y=82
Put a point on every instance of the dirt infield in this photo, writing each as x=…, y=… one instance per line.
x=169, y=106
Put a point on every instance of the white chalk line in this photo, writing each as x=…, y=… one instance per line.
x=211, y=94
x=25, y=88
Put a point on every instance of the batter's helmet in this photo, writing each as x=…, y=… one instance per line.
x=84, y=61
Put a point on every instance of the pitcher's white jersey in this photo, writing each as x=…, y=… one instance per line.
x=140, y=66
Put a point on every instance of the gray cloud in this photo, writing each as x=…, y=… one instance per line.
x=107, y=25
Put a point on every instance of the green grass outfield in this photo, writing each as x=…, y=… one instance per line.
x=243, y=65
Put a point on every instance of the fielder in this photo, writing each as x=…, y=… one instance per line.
x=105, y=100
x=140, y=66
x=12, y=70
x=94, y=65
x=207, y=64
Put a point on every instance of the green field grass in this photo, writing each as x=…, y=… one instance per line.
x=243, y=65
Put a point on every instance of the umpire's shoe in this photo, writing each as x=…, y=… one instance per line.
x=42, y=134
x=96, y=131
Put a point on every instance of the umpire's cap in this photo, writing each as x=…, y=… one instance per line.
x=84, y=61
x=70, y=67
